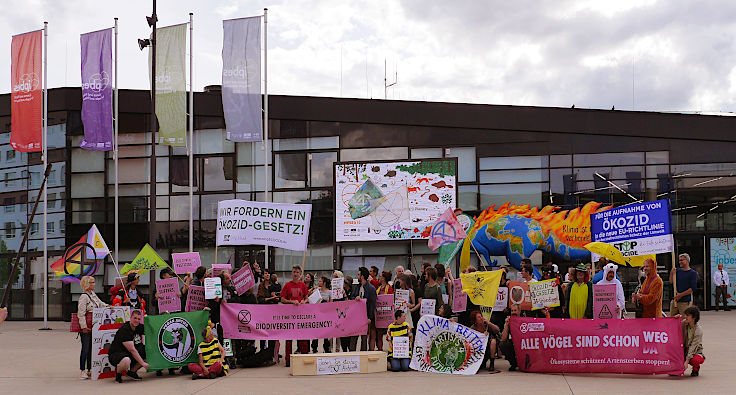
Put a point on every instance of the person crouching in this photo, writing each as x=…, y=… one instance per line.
x=211, y=358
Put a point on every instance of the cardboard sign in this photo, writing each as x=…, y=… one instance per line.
x=168, y=300
x=186, y=262
x=212, y=287
x=218, y=268
x=604, y=301
x=519, y=294
x=337, y=288
x=227, y=345
x=401, y=300
x=459, y=298
x=502, y=299
x=427, y=306
x=338, y=364
x=400, y=346
x=195, y=298
x=384, y=310
x=243, y=280
x=315, y=297
x=544, y=294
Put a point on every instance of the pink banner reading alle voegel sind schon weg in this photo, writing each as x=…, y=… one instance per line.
x=638, y=346
x=286, y=321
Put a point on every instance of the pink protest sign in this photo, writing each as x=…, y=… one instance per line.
x=243, y=280
x=384, y=310
x=635, y=346
x=195, y=298
x=167, y=297
x=186, y=262
x=218, y=268
x=604, y=301
x=286, y=321
x=459, y=298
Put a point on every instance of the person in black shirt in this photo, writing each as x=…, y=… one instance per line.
x=128, y=346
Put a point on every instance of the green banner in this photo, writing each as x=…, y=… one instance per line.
x=146, y=260
x=448, y=251
x=172, y=340
x=171, y=98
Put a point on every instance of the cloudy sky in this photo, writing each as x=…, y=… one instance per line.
x=643, y=54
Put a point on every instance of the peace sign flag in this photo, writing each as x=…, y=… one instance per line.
x=445, y=230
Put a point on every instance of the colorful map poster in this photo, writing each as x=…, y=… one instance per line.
x=392, y=200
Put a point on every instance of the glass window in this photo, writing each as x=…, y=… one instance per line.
x=322, y=168
x=324, y=142
x=10, y=179
x=426, y=153
x=291, y=170
x=10, y=155
x=210, y=141
x=318, y=258
x=129, y=190
x=34, y=228
x=658, y=157
x=512, y=162
x=88, y=185
x=85, y=161
x=373, y=154
x=9, y=230
x=51, y=200
x=134, y=151
x=252, y=153
x=209, y=204
x=162, y=202
x=560, y=160
x=50, y=227
x=291, y=197
x=129, y=171
x=499, y=194
x=465, y=162
x=134, y=138
x=468, y=197
x=251, y=179
x=218, y=173
x=290, y=144
x=162, y=169
x=179, y=210
x=375, y=248
x=610, y=159
x=505, y=176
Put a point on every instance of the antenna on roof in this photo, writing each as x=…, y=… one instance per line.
x=386, y=85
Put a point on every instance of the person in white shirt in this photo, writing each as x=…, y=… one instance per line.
x=720, y=283
x=609, y=277
x=527, y=271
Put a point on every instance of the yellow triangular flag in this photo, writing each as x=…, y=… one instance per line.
x=146, y=260
x=482, y=287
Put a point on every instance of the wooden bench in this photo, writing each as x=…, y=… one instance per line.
x=336, y=363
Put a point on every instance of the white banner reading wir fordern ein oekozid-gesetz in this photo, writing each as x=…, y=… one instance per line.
x=243, y=222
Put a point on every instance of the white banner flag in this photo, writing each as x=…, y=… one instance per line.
x=243, y=222
x=241, y=79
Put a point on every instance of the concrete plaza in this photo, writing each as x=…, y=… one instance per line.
x=45, y=362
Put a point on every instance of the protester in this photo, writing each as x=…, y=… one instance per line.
x=87, y=303
x=399, y=272
x=127, y=351
x=720, y=282
x=211, y=357
x=368, y=292
x=255, y=268
x=552, y=312
x=309, y=281
x=323, y=287
x=116, y=288
x=383, y=289
x=164, y=274
x=527, y=271
x=295, y=292
x=404, y=283
x=570, y=274
x=650, y=295
x=199, y=276
x=373, y=271
x=482, y=325
x=264, y=295
x=133, y=298
x=446, y=312
x=507, y=345
x=687, y=283
x=441, y=279
x=692, y=335
x=432, y=289
x=415, y=309
x=275, y=288
x=399, y=328
x=348, y=343
x=579, y=297
x=609, y=277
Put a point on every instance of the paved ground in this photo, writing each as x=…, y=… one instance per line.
x=34, y=362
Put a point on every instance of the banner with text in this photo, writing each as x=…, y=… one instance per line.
x=286, y=321
x=97, y=90
x=171, y=84
x=544, y=294
x=634, y=346
x=168, y=295
x=444, y=346
x=604, y=301
x=172, y=340
x=635, y=229
x=244, y=222
x=26, y=97
x=384, y=310
x=105, y=323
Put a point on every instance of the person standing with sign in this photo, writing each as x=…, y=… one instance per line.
x=88, y=302
x=383, y=289
x=295, y=292
x=368, y=292
x=432, y=290
x=551, y=312
x=650, y=295
x=579, y=298
x=609, y=277
x=686, y=283
x=398, y=329
x=720, y=283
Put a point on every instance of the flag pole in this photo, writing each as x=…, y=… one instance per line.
x=115, y=148
x=265, y=116
x=45, y=165
x=191, y=132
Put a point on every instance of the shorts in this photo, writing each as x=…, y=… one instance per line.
x=115, y=358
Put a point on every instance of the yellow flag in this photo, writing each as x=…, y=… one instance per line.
x=482, y=287
x=465, y=252
x=146, y=260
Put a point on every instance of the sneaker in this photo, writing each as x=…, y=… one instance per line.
x=159, y=373
x=195, y=376
x=83, y=375
x=119, y=377
x=694, y=374
x=133, y=375
x=172, y=372
x=89, y=374
x=513, y=368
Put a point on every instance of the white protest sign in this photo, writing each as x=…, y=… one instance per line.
x=401, y=300
x=212, y=287
x=400, y=346
x=427, y=306
x=315, y=297
x=243, y=222
x=502, y=299
x=227, y=345
x=338, y=364
x=337, y=288
x=544, y=294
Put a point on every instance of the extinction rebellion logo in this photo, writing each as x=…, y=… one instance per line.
x=176, y=340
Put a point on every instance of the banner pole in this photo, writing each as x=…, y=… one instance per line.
x=45, y=164
x=191, y=132
x=265, y=118
x=115, y=149
x=482, y=262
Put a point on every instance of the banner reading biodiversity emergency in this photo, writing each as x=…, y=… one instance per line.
x=635, y=346
x=242, y=222
x=444, y=346
x=286, y=321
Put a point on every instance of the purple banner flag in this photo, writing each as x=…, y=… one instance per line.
x=97, y=90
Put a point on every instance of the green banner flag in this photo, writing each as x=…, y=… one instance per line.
x=448, y=251
x=146, y=260
x=171, y=98
x=172, y=340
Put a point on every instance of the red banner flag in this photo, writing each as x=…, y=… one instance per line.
x=26, y=94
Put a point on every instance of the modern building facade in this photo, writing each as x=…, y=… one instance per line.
x=526, y=155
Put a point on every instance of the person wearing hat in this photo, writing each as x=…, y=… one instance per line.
x=579, y=297
x=132, y=297
x=609, y=277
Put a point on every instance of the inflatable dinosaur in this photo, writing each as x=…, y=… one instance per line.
x=517, y=231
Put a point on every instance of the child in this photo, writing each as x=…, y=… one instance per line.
x=399, y=328
x=211, y=357
x=692, y=334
